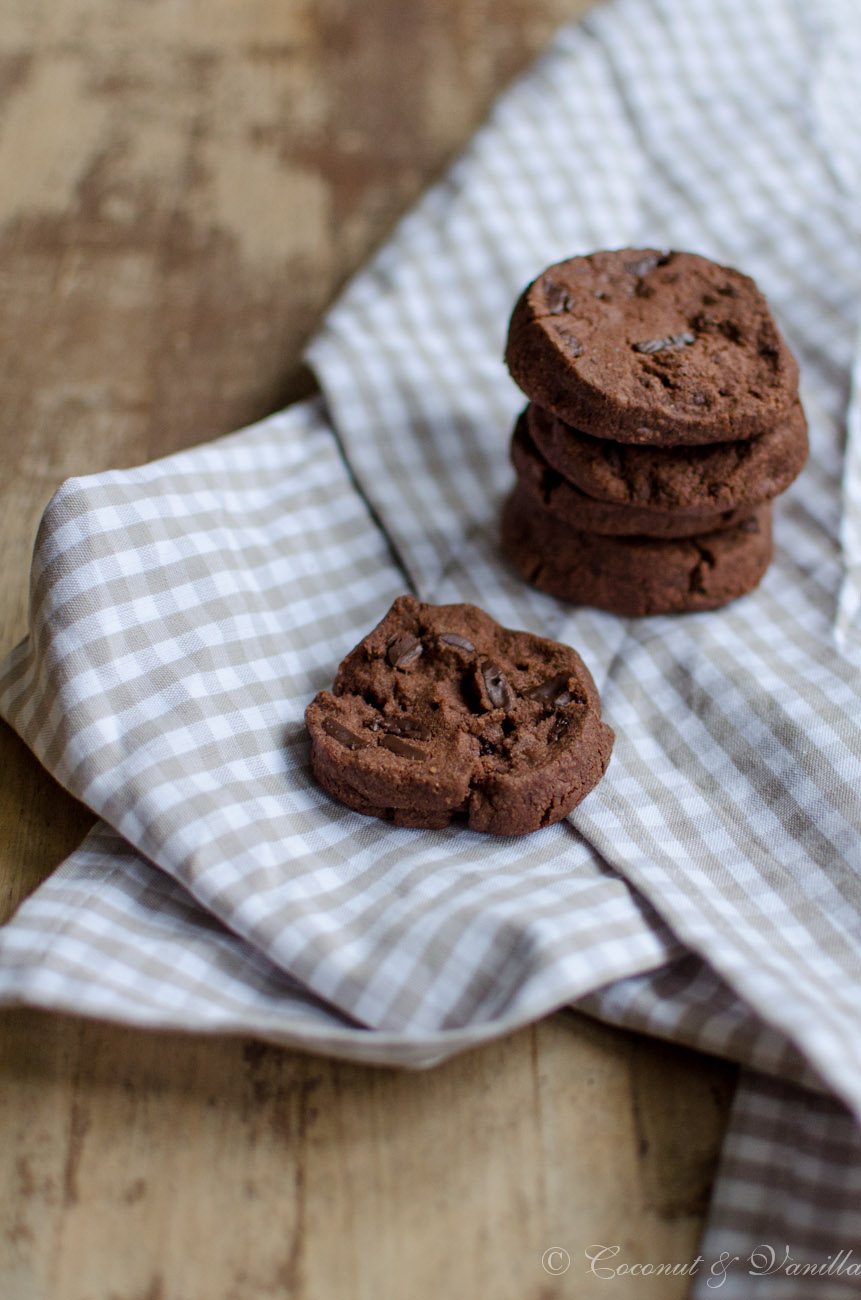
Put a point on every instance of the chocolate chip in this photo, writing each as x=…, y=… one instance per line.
x=646, y=264
x=404, y=650
x=407, y=727
x=750, y=525
x=344, y=735
x=556, y=298
x=641, y=267
x=496, y=685
x=571, y=341
x=671, y=343
x=732, y=330
x=553, y=691
x=452, y=638
x=401, y=747
x=558, y=729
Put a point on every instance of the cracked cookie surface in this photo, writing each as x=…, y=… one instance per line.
x=651, y=347
x=439, y=712
x=716, y=476
x=583, y=512
x=634, y=576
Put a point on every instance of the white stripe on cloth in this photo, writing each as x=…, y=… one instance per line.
x=732, y=800
x=110, y=936
x=785, y=1218
x=180, y=625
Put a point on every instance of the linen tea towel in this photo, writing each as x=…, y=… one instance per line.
x=730, y=808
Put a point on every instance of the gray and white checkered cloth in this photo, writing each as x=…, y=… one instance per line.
x=183, y=614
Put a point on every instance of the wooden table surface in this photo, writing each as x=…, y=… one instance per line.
x=185, y=186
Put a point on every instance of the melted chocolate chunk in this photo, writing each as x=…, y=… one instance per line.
x=571, y=341
x=558, y=729
x=407, y=727
x=402, y=748
x=404, y=650
x=704, y=320
x=553, y=691
x=671, y=343
x=556, y=299
x=496, y=685
x=452, y=638
x=344, y=735
x=731, y=330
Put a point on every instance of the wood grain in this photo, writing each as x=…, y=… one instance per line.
x=185, y=187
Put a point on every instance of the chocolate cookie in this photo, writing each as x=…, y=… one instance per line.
x=582, y=512
x=439, y=711
x=634, y=576
x=649, y=347
x=718, y=476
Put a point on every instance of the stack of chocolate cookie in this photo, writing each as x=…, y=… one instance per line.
x=663, y=418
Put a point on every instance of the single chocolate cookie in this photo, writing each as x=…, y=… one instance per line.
x=718, y=476
x=550, y=491
x=440, y=711
x=648, y=347
x=634, y=576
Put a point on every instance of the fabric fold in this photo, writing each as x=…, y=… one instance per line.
x=183, y=614
x=731, y=804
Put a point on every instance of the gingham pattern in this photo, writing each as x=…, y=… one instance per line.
x=108, y=935
x=162, y=961
x=732, y=804
x=687, y=1002
x=785, y=1219
x=182, y=615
